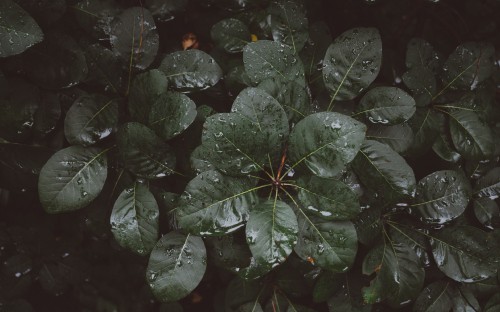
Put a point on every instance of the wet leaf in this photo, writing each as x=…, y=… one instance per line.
x=271, y=232
x=95, y=16
x=19, y=29
x=493, y=304
x=486, y=211
x=327, y=199
x=171, y=114
x=91, y=119
x=331, y=245
x=325, y=142
x=166, y=10
x=422, y=83
x=289, y=24
x=425, y=124
x=145, y=89
x=190, y=70
x=420, y=53
x=230, y=34
x=387, y=105
x=72, y=178
x=464, y=254
x=106, y=69
x=213, y=204
x=352, y=62
x=472, y=137
x=383, y=170
x=176, y=266
x=442, y=197
x=398, y=137
x=434, y=298
x=133, y=36
x=143, y=153
x=134, y=219
x=489, y=184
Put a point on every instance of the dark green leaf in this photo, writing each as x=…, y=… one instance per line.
x=387, y=105
x=176, y=266
x=95, y=16
x=471, y=136
x=382, y=169
x=325, y=142
x=19, y=29
x=47, y=115
x=352, y=62
x=271, y=232
x=142, y=152
x=434, y=298
x=240, y=291
x=134, y=219
x=171, y=114
x=190, y=70
x=420, y=53
x=443, y=147
x=198, y=162
x=489, y=184
x=408, y=236
x=326, y=285
x=214, y=204
x=165, y=10
x=493, y=304
x=398, y=137
x=265, y=59
x=72, y=178
x=331, y=245
x=133, y=36
x=228, y=252
x=399, y=276
x=328, y=199
x=422, y=83
x=90, y=119
x=349, y=297
x=464, y=254
x=442, y=196
x=289, y=24
x=45, y=12
x=230, y=34
x=425, y=124
x=106, y=69
x=486, y=211
x=470, y=64
x=368, y=225
x=145, y=89
x=313, y=52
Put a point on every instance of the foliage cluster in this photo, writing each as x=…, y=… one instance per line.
x=303, y=156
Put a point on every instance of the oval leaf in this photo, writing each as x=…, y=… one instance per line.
x=143, y=153
x=387, y=105
x=230, y=34
x=271, y=232
x=289, y=24
x=352, y=62
x=325, y=142
x=176, y=266
x=190, y=70
x=385, y=171
x=135, y=219
x=72, y=178
x=486, y=211
x=145, y=89
x=489, y=184
x=214, y=204
x=398, y=137
x=90, y=119
x=328, y=199
x=442, y=196
x=19, y=29
x=420, y=53
x=331, y=245
x=171, y=114
x=434, y=298
x=472, y=137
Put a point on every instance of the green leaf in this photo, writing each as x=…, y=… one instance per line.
x=328, y=199
x=106, y=68
x=469, y=65
x=471, y=136
x=133, y=36
x=229, y=252
x=442, y=196
x=326, y=285
x=249, y=137
x=198, y=162
x=165, y=10
x=385, y=171
x=213, y=204
x=422, y=83
x=143, y=153
x=387, y=105
x=464, y=253
x=289, y=24
x=486, y=211
x=176, y=266
x=190, y=70
x=230, y=34
x=325, y=142
x=493, y=304
x=349, y=297
x=271, y=232
x=398, y=137
x=434, y=298
x=399, y=276
x=489, y=184
x=443, y=147
x=352, y=62
x=145, y=89
x=95, y=16
x=425, y=124
x=171, y=114
x=47, y=115
x=420, y=53
x=72, y=178
x=240, y=291
x=265, y=59
x=19, y=29
x=134, y=219
x=369, y=225
x=90, y=119
x=313, y=52
x=331, y=245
